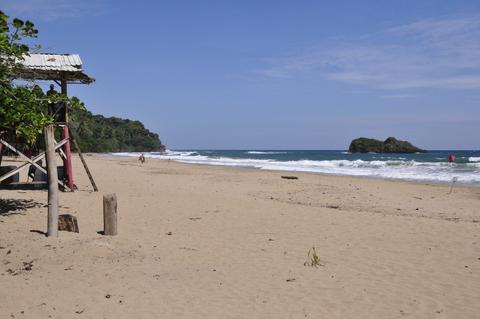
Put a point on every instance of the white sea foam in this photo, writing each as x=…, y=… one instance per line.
x=265, y=152
x=474, y=159
x=394, y=169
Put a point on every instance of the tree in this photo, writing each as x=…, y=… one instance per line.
x=96, y=133
x=23, y=107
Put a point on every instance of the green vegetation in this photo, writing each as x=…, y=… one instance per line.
x=96, y=133
x=23, y=108
x=390, y=145
x=312, y=258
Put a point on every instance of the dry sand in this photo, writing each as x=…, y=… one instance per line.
x=215, y=242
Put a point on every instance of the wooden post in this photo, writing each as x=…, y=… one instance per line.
x=110, y=214
x=52, y=226
x=63, y=85
x=1, y=147
x=1, y=151
x=67, y=162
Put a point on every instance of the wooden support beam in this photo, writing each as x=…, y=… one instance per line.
x=28, y=160
x=110, y=214
x=52, y=226
x=21, y=167
x=60, y=151
x=67, y=162
x=90, y=177
x=64, y=92
x=64, y=86
x=23, y=156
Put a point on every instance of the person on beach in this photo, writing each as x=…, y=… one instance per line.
x=51, y=106
x=52, y=90
x=451, y=158
x=57, y=109
x=141, y=158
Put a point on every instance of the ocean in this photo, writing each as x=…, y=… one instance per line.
x=432, y=166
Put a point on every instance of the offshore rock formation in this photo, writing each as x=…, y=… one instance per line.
x=390, y=145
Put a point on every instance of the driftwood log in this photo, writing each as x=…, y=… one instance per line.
x=289, y=177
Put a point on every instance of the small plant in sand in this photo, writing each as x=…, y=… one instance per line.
x=312, y=258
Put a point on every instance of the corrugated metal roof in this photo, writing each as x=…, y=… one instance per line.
x=48, y=66
x=53, y=62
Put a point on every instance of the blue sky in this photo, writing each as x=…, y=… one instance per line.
x=275, y=74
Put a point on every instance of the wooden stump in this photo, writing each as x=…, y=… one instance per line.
x=110, y=214
x=67, y=222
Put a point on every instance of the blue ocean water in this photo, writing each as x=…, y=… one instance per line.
x=431, y=166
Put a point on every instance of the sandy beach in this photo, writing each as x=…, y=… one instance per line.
x=214, y=242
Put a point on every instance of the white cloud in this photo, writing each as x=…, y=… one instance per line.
x=433, y=53
x=400, y=96
x=52, y=9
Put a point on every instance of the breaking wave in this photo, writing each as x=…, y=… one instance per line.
x=265, y=152
x=399, y=168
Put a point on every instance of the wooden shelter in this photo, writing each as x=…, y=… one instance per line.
x=62, y=69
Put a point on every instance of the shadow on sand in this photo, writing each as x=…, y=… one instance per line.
x=10, y=206
x=38, y=232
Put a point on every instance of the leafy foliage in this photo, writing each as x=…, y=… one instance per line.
x=23, y=108
x=96, y=133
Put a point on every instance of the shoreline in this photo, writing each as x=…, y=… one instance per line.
x=414, y=181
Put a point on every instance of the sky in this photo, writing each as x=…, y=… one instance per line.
x=275, y=74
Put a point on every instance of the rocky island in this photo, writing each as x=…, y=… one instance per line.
x=390, y=145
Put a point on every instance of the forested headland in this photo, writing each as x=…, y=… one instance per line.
x=99, y=134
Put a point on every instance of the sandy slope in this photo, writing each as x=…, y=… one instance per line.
x=213, y=242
